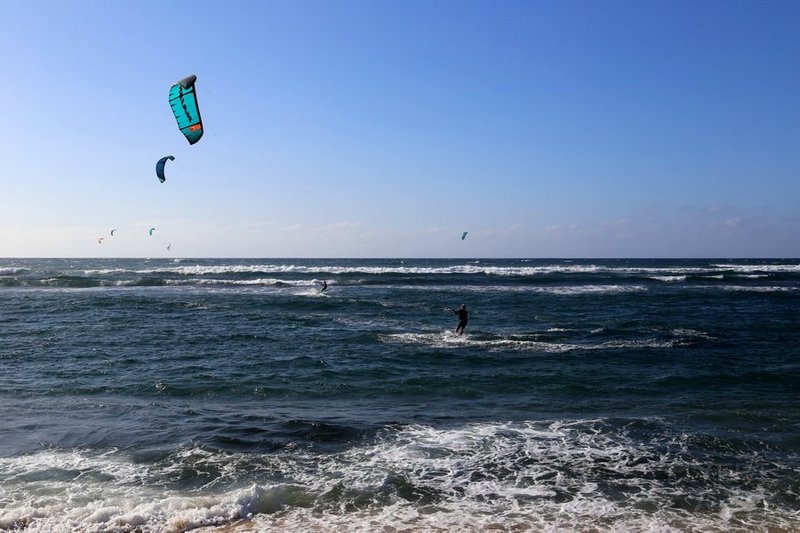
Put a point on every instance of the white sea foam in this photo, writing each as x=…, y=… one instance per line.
x=104, y=271
x=580, y=475
x=748, y=268
x=749, y=288
x=670, y=279
x=408, y=270
x=56, y=491
x=668, y=273
x=562, y=290
x=592, y=289
x=376, y=270
x=12, y=271
x=259, y=282
x=524, y=268
x=449, y=340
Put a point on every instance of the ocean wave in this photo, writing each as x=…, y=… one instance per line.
x=754, y=288
x=591, y=289
x=370, y=270
x=768, y=268
x=265, y=282
x=450, y=340
x=576, y=475
x=12, y=271
x=97, y=281
x=562, y=290
x=670, y=279
x=467, y=269
x=561, y=277
x=584, y=475
x=105, y=271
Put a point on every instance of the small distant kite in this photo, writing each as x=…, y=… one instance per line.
x=160, y=167
x=112, y=232
x=464, y=235
x=150, y=232
x=169, y=246
x=100, y=240
x=183, y=101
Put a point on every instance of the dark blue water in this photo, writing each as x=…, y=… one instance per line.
x=591, y=395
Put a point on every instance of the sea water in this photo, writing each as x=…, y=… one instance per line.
x=232, y=395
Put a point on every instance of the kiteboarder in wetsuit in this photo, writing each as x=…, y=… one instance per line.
x=463, y=316
x=324, y=286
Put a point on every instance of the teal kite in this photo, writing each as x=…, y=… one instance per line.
x=151, y=231
x=464, y=235
x=183, y=101
x=160, y=167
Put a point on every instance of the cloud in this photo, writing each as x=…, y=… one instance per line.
x=562, y=230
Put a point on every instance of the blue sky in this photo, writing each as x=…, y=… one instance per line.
x=385, y=128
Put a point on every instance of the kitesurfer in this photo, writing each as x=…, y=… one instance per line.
x=463, y=316
x=324, y=286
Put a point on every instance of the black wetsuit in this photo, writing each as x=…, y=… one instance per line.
x=463, y=316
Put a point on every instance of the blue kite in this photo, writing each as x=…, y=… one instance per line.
x=160, y=167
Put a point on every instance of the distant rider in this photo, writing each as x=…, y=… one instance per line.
x=463, y=316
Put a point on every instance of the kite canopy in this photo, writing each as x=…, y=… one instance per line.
x=183, y=101
x=151, y=231
x=464, y=235
x=160, y=167
x=112, y=232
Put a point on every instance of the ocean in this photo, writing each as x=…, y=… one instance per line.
x=231, y=395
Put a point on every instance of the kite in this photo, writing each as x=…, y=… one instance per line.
x=112, y=232
x=100, y=240
x=151, y=231
x=160, y=167
x=464, y=235
x=183, y=101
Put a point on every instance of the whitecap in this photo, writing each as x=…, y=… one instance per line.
x=585, y=475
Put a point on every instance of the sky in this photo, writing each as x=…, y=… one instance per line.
x=382, y=128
